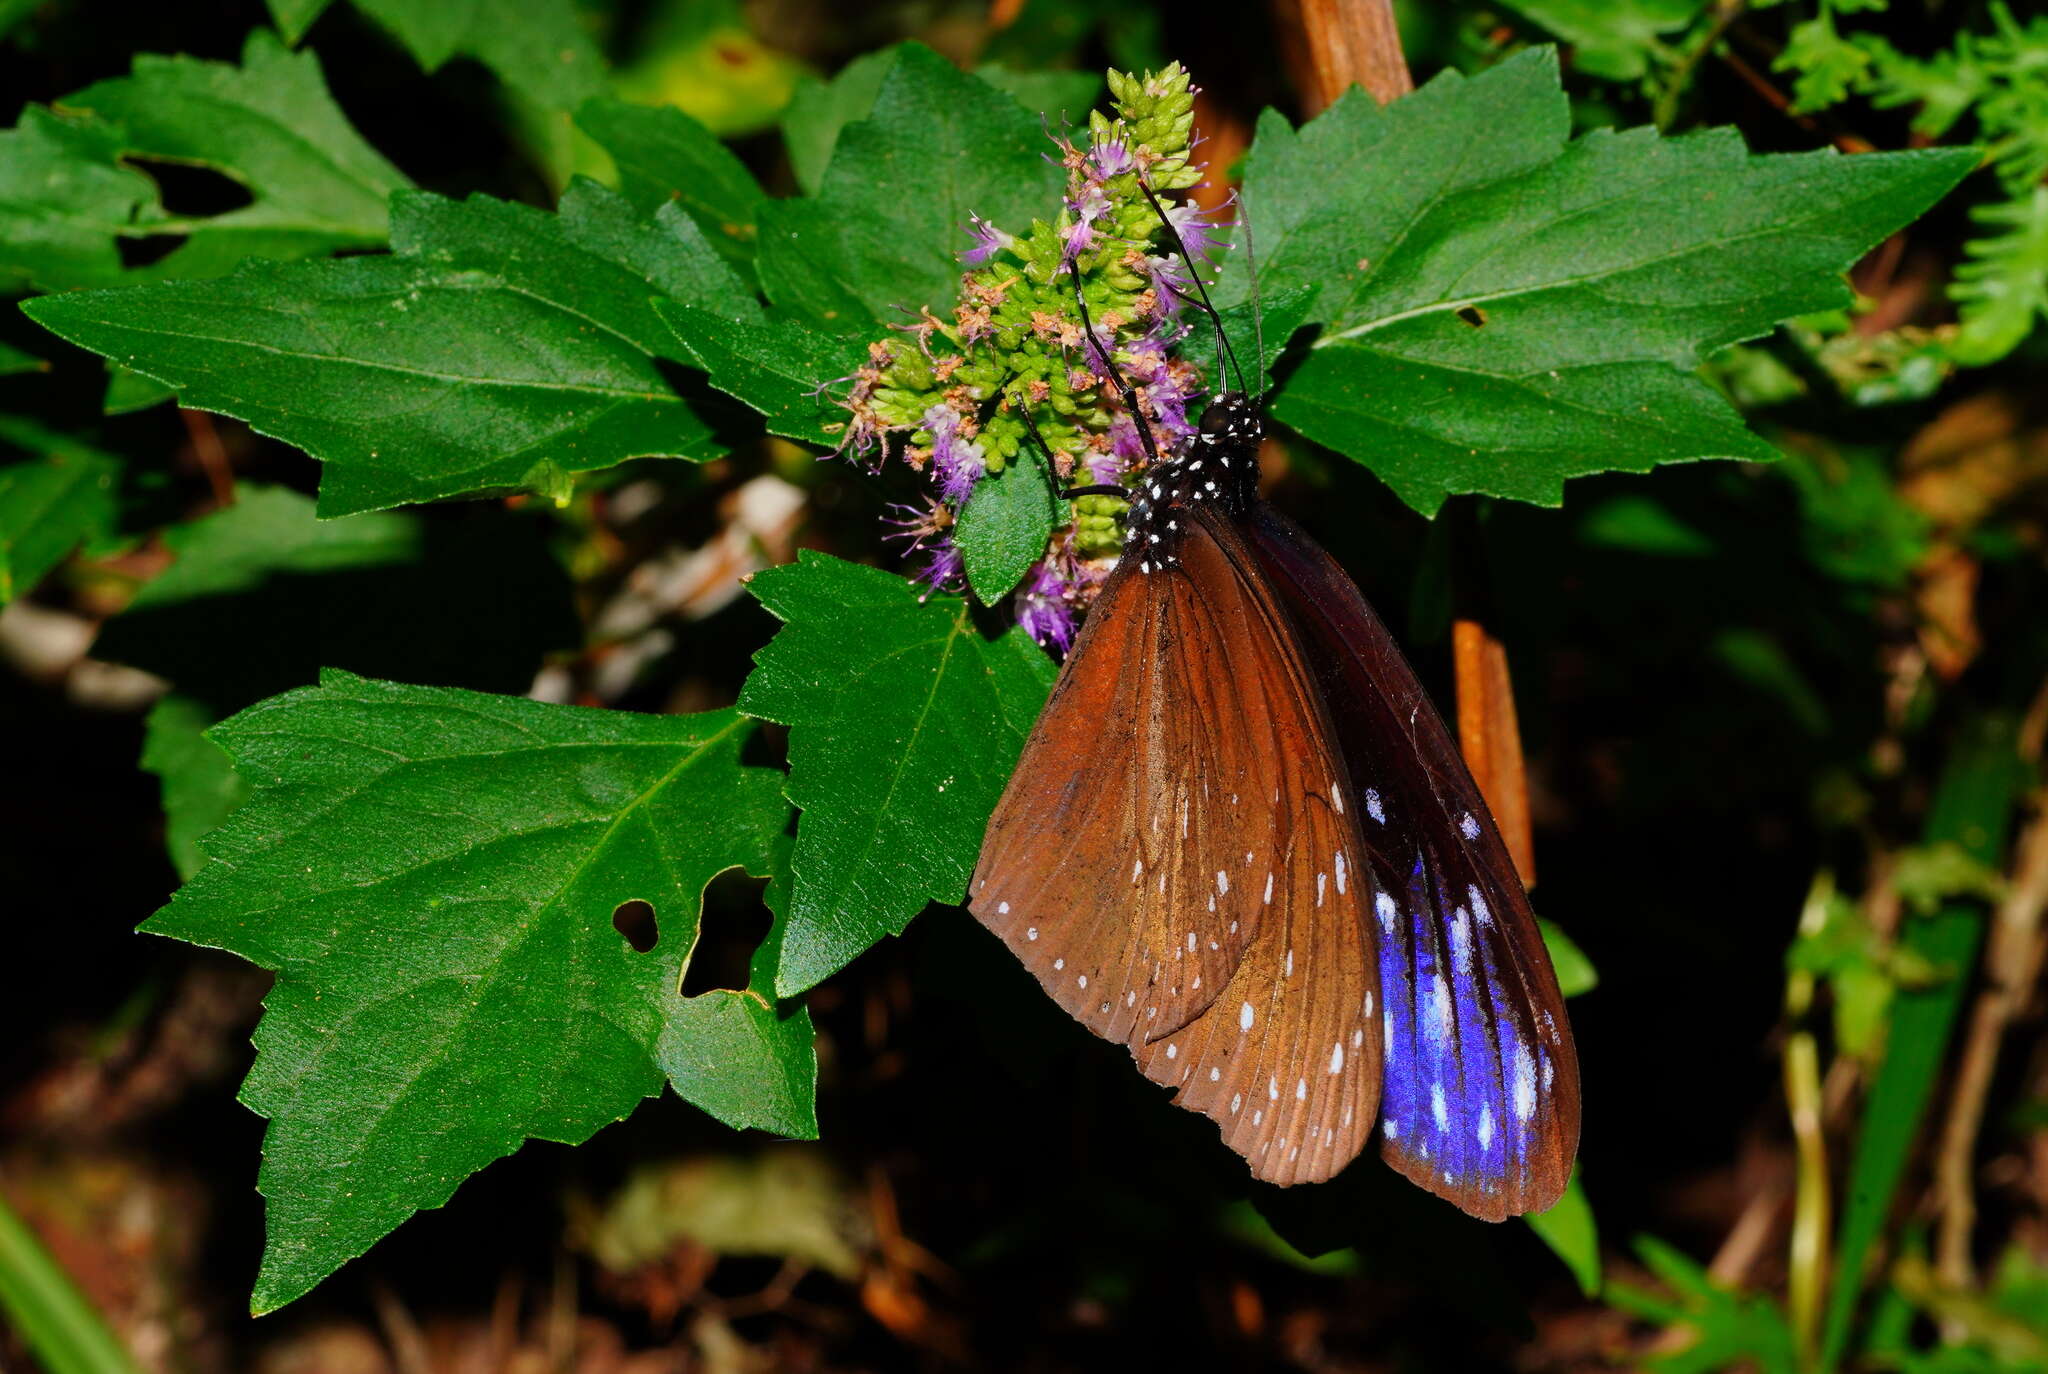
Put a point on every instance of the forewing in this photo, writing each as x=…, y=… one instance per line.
x=1171, y=861
x=1480, y=1102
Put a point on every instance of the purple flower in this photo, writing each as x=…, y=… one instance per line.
x=1091, y=206
x=1106, y=160
x=1044, y=608
x=1202, y=237
x=915, y=526
x=988, y=241
x=1106, y=466
x=943, y=569
x=958, y=462
x=1124, y=444
x=1170, y=280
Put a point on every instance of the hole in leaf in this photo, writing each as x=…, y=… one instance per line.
x=734, y=923
x=191, y=192
x=143, y=252
x=635, y=921
x=1472, y=315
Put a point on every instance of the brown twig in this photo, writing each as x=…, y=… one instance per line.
x=1331, y=45
x=211, y=453
x=2012, y=962
x=1779, y=101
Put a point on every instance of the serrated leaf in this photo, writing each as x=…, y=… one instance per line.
x=200, y=785
x=901, y=737
x=1503, y=309
x=60, y=497
x=1003, y=530
x=69, y=188
x=662, y=154
x=894, y=202
x=260, y=596
x=432, y=875
x=499, y=348
x=778, y=366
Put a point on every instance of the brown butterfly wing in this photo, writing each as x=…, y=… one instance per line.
x=1481, y=1091
x=1169, y=862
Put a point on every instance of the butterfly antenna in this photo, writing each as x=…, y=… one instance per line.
x=1124, y=389
x=1031, y=426
x=1223, y=348
x=1251, y=267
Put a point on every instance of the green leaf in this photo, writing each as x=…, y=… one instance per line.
x=200, y=785
x=901, y=737
x=500, y=348
x=432, y=875
x=1003, y=530
x=1639, y=524
x=1726, y=1328
x=662, y=154
x=1569, y=1230
x=539, y=48
x=128, y=392
x=61, y=497
x=260, y=596
x=63, y=1331
x=70, y=187
x=1272, y=320
x=1503, y=309
x=776, y=365
x=1059, y=98
x=740, y=1055
x=818, y=110
x=2002, y=287
x=893, y=206
x=294, y=17
x=1973, y=808
x=13, y=361
x=1575, y=972
x=1617, y=41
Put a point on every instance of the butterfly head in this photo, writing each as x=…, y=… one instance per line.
x=1234, y=421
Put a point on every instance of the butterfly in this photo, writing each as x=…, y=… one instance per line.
x=1241, y=842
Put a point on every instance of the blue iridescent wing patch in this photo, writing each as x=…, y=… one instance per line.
x=1480, y=1094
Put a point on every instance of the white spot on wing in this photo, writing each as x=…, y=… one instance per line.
x=1485, y=1131
x=1437, y=1110
x=1244, y=1017
x=1340, y=873
x=1222, y=883
x=1373, y=807
x=1269, y=889
x=1384, y=904
x=1336, y=1059
x=1468, y=826
x=1031, y=932
x=1002, y=908
x=1525, y=1083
